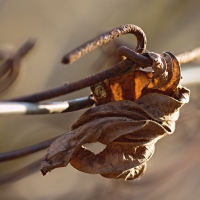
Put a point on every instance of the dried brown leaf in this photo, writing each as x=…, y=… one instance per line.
x=129, y=129
x=134, y=111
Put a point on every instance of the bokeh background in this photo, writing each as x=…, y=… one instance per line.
x=60, y=26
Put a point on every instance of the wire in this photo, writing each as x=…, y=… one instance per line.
x=25, y=108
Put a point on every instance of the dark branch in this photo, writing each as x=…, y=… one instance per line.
x=21, y=173
x=26, y=150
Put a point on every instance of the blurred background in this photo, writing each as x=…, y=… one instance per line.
x=60, y=26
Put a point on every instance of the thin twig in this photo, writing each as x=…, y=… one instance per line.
x=25, y=108
x=26, y=150
x=21, y=173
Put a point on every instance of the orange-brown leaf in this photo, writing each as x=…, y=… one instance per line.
x=134, y=111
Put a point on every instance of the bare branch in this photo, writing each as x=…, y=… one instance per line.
x=21, y=173
x=26, y=150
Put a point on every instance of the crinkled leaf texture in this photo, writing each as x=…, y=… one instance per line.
x=129, y=129
x=134, y=111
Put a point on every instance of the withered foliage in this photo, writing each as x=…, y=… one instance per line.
x=134, y=110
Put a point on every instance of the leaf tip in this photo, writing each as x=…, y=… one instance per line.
x=44, y=171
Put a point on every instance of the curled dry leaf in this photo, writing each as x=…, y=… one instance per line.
x=129, y=119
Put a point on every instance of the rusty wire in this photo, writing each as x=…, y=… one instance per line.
x=78, y=85
x=105, y=38
x=188, y=56
x=82, y=50
x=132, y=57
